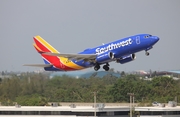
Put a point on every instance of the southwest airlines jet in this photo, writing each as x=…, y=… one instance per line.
x=120, y=51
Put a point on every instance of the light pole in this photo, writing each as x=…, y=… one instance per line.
x=95, y=93
x=131, y=106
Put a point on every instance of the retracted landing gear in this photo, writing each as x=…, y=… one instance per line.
x=147, y=53
x=106, y=67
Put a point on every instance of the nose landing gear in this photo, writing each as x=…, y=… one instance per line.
x=147, y=53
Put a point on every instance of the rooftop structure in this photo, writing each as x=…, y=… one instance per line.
x=101, y=111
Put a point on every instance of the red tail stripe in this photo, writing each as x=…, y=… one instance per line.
x=52, y=59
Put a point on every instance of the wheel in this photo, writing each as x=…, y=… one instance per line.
x=106, y=68
x=96, y=68
x=147, y=53
x=107, y=64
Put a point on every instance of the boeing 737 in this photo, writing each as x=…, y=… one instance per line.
x=120, y=51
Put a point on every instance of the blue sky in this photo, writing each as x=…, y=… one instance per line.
x=74, y=25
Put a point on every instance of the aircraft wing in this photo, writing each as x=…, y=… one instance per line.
x=38, y=65
x=86, y=57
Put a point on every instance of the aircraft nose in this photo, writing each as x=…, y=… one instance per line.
x=155, y=39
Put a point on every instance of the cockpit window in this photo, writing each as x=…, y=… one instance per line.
x=147, y=36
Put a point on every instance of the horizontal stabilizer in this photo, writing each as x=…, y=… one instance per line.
x=38, y=65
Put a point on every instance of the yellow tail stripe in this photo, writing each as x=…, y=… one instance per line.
x=37, y=47
x=46, y=44
x=68, y=63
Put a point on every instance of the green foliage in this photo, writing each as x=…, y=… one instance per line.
x=161, y=89
x=38, y=89
x=34, y=100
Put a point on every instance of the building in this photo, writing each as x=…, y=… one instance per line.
x=87, y=111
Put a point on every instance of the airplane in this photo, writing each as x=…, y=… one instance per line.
x=121, y=51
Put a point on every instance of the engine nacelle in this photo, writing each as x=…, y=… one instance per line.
x=126, y=58
x=104, y=57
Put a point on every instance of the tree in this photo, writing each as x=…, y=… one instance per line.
x=123, y=73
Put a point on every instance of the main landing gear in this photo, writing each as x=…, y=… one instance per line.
x=96, y=67
x=105, y=67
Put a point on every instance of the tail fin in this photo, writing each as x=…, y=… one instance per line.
x=42, y=46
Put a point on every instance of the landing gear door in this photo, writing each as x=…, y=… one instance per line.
x=138, y=40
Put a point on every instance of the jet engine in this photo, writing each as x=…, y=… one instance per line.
x=125, y=59
x=104, y=57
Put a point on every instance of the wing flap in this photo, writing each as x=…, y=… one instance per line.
x=38, y=65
